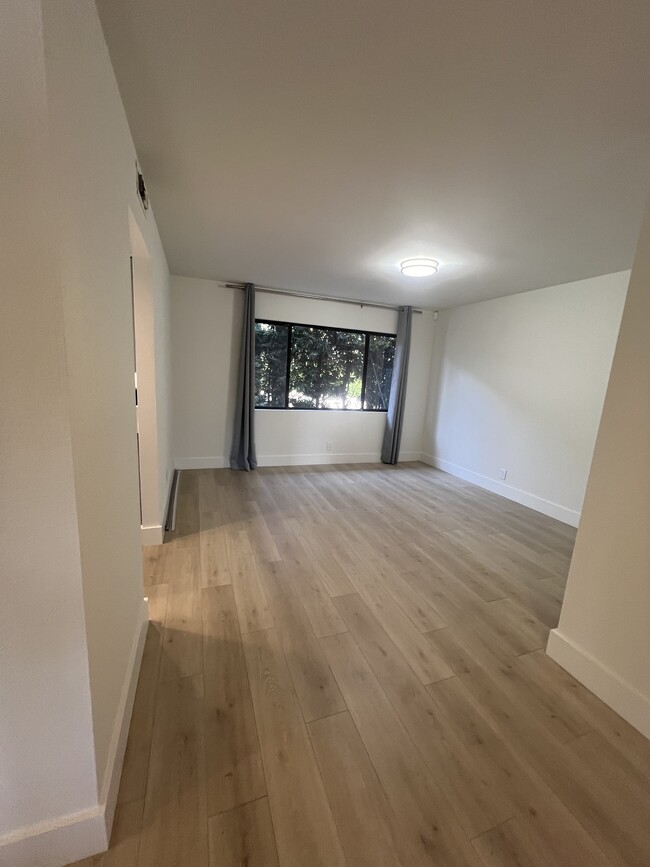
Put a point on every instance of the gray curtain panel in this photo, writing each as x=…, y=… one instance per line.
x=395, y=415
x=242, y=454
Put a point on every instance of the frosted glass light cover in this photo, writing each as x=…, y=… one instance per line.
x=419, y=267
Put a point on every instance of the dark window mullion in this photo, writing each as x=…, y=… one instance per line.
x=365, y=370
x=286, y=390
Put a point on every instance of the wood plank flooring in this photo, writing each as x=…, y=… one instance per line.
x=346, y=666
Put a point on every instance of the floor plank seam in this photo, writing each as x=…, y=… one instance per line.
x=237, y=806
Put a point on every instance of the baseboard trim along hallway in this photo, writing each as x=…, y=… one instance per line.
x=606, y=684
x=77, y=835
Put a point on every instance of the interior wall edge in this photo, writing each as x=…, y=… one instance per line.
x=152, y=535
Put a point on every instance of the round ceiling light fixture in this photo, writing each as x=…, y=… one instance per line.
x=419, y=267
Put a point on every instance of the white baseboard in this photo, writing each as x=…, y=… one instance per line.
x=539, y=504
x=210, y=463
x=311, y=460
x=113, y=770
x=57, y=841
x=78, y=835
x=623, y=698
x=408, y=456
x=293, y=460
x=152, y=535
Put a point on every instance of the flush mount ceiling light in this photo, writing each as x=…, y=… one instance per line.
x=419, y=267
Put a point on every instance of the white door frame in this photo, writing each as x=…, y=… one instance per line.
x=145, y=366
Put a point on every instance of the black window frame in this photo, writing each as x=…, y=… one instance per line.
x=367, y=336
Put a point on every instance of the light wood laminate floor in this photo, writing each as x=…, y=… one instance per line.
x=346, y=666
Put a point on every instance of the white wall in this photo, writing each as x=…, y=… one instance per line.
x=95, y=173
x=72, y=609
x=206, y=330
x=47, y=766
x=603, y=637
x=518, y=383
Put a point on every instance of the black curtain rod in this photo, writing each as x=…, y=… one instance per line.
x=314, y=297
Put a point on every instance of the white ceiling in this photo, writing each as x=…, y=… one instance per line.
x=313, y=144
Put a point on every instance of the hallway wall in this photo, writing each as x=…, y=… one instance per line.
x=47, y=763
x=603, y=637
x=95, y=174
x=73, y=614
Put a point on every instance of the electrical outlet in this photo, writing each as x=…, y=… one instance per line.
x=503, y=472
x=328, y=446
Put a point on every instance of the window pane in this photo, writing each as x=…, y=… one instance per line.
x=271, y=343
x=381, y=351
x=326, y=368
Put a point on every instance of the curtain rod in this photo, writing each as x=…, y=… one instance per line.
x=315, y=297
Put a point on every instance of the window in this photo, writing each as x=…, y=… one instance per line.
x=314, y=367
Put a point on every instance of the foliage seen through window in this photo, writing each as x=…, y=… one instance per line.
x=312, y=367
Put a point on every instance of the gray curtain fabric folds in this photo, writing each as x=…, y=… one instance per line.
x=242, y=453
x=395, y=416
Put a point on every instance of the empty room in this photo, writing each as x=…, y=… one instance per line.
x=325, y=433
